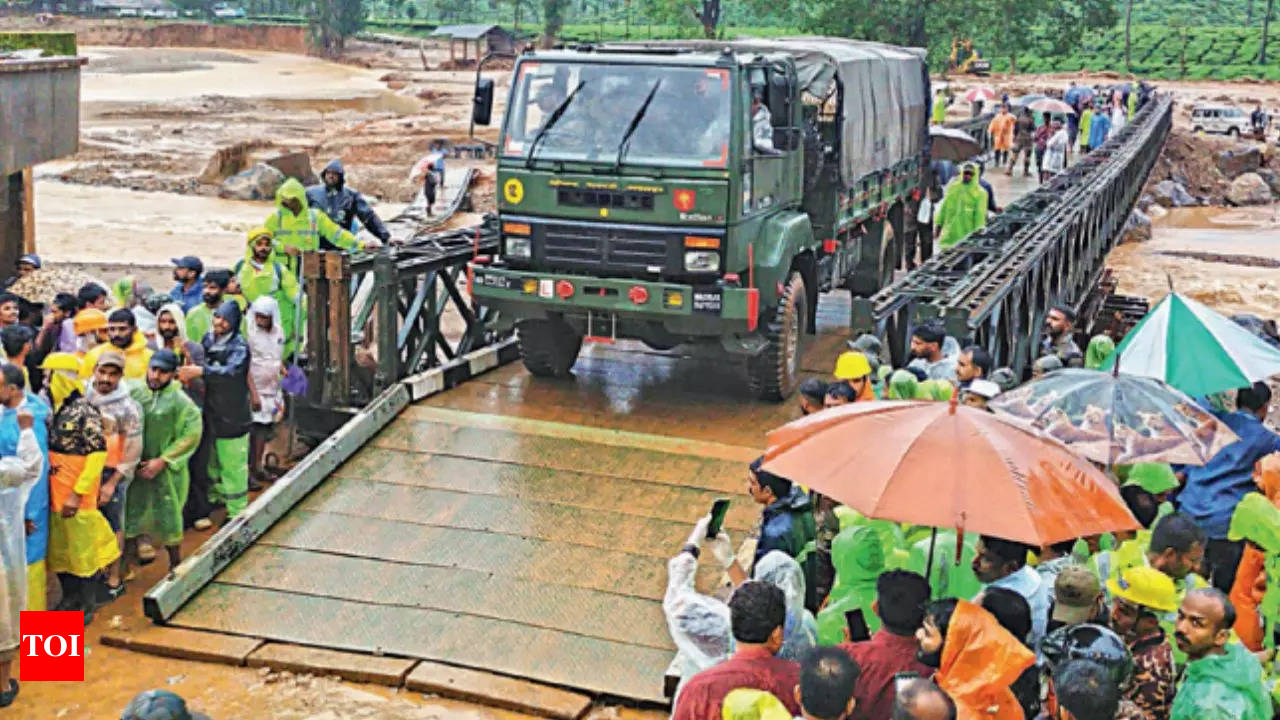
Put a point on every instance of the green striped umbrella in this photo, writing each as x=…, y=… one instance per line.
x=1194, y=349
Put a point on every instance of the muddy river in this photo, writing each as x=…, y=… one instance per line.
x=1227, y=258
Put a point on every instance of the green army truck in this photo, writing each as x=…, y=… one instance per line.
x=701, y=192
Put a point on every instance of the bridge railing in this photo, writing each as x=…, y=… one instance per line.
x=1048, y=247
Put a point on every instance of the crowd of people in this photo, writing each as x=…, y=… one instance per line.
x=960, y=202
x=833, y=615
x=128, y=416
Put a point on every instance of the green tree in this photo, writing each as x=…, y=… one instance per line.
x=1128, y=24
x=1266, y=28
x=553, y=12
x=333, y=21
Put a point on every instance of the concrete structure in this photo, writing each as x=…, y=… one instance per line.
x=39, y=121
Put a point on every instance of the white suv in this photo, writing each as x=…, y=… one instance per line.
x=1220, y=119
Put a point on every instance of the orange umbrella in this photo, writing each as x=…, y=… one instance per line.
x=938, y=465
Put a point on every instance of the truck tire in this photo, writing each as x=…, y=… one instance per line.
x=548, y=348
x=774, y=373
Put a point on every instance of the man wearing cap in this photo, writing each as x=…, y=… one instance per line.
x=171, y=431
x=90, y=325
x=1077, y=598
x=259, y=274
x=200, y=317
x=853, y=370
x=927, y=343
x=159, y=705
x=122, y=428
x=123, y=338
x=226, y=376
x=979, y=393
x=963, y=208
x=187, y=271
x=28, y=264
x=1140, y=595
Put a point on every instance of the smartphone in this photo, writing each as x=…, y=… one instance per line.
x=858, y=630
x=718, y=510
x=901, y=679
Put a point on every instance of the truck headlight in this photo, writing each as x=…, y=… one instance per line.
x=701, y=261
x=519, y=247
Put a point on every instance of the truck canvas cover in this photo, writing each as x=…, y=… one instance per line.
x=886, y=99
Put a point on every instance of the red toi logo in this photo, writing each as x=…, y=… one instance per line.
x=52, y=646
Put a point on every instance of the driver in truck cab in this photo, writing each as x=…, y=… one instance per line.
x=761, y=126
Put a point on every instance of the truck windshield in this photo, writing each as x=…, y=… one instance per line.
x=686, y=123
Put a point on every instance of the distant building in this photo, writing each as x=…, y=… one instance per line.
x=487, y=39
x=130, y=8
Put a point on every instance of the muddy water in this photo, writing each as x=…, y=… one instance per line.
x=1222, y=257
x=279, y=81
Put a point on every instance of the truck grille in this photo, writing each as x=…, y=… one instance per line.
x=599, y=248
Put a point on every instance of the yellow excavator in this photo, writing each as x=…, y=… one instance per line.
x=966, y=59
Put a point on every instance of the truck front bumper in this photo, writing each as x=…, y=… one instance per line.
x=681, y=309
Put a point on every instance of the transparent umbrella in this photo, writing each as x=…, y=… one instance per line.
x=1117, y=418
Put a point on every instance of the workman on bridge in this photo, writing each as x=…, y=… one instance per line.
x=343, y=205
x=1059, y=325
x=940, y=104
x=963, y=209
x=297, y=227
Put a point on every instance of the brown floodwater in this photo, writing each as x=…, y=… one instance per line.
x=1223, y=257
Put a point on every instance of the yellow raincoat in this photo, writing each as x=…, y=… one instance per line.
x=270, y=278
x=84, y=543
x=136, y=358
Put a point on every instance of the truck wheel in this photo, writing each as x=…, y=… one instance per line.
x=774, y=373
x=548, y=347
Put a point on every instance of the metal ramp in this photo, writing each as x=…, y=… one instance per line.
x=512, y=525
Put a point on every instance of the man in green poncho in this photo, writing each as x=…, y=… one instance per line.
x=1223, y=680
x=963, y=209
x=260, y=274
x=939, y=112
x=858, y=557
x=298, y=228
x=171, y=433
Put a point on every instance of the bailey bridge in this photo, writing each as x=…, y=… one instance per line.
x=465, y=516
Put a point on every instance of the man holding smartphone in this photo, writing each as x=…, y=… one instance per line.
x=900, y=599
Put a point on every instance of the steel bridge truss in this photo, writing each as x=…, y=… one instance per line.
x=1049, y=247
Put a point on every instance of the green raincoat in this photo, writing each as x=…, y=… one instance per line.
x=939, y=109
x=962, y=211
x=1100, y=348
x=1086, y=121
x=1257, y=520
x=271, y=278
x=171, y=430
x=936, y=390
x=948, y=578
x=199, y=321
x=858, y=557
x=903, y=386
x=1222, y=687
x=304, y=230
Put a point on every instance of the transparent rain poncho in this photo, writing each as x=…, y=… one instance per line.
x=801, y=631
x=17, y=476
x=699, y=624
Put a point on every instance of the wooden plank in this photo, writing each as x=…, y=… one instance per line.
x=579, y=489
x=185, y=644
x=356, y=667
x=164, y=599
x=498, y=691
x=563, y=454
x=593, y=613
x=542, y=655
x=525, y=558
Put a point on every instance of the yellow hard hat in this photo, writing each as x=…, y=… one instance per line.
x=748, y=704
x=1145, y=586
x=88, y=320
x=258, y=232
x=852, y=365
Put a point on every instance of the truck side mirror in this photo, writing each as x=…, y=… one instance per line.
x=482, y=103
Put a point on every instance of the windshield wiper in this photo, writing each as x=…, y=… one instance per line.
x=552, y=119
x=635, y=123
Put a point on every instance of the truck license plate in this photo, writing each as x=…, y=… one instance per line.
x=708, y=301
